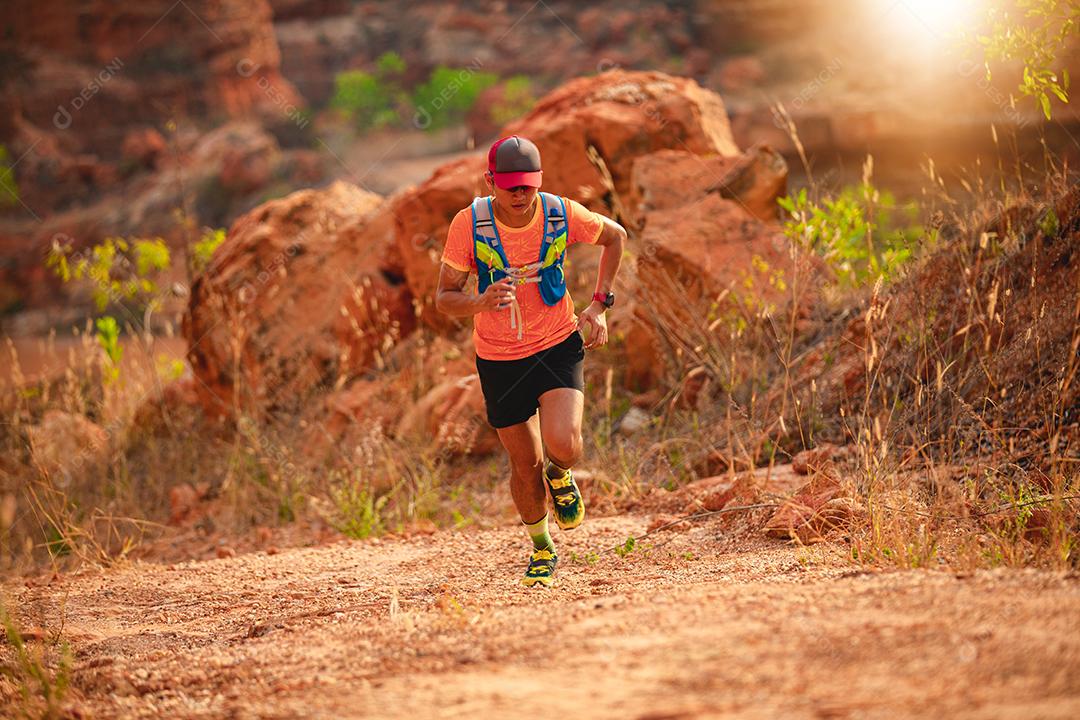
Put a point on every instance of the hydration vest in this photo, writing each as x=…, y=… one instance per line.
x=547, y=272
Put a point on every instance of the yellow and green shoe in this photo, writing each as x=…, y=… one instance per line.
x=566, y=497
x=541, y=569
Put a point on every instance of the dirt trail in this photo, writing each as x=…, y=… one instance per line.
x=437, y=626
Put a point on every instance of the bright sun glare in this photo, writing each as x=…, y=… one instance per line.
x=941, y=17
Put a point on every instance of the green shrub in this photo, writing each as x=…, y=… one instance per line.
x=448, y=95
x=517, y=99
x=203, y=251
x=372, y=100
x=358, y=513
x=120, y=272
x=117, y=268
x=862, y=232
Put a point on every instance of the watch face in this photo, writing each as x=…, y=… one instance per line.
x=609, y=300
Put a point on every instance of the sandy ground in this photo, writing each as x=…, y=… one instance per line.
x=703, y=625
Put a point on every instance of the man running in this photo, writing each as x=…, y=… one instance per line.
x=529, y=350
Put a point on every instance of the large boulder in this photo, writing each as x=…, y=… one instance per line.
x=304, y=292
x=708, y=231
x=412, y=368
x=699, y=263
x=422, y=217
x=619, y=115
x=623, y=115
x=669, y=179
x=706, y=246
x=452, y=415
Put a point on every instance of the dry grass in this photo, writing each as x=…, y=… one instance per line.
x=952, y=387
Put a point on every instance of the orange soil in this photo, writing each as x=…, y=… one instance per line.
x=706, y=624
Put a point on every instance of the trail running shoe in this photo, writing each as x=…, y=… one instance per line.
x=541, y=569
x=569, y=507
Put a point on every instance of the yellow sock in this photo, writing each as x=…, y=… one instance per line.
x=538, y=531
x=555, y=471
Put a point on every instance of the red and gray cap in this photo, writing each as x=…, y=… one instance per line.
x=514, y=161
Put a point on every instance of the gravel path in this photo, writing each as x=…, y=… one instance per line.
x=436, y=626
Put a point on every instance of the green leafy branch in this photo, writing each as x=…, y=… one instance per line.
x=1033, y=32
x=118, y=270
x=862, y=232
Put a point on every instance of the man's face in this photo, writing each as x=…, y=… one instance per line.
x=516, y=202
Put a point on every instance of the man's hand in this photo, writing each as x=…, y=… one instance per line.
x=593, y=318
x=498, y=295
x=452, y=299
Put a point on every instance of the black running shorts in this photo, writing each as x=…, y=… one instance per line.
x=512, y=388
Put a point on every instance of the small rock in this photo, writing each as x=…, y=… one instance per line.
x=808, y=462
x=182, y=501
x=635, y=420
x=225, y=552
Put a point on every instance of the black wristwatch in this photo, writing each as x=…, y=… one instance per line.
x=608, y=299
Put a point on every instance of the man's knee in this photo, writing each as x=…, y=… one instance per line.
x=525, y=463
x=565, y=447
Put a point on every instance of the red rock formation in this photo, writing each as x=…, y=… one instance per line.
x=671, y=178
x=423, y=394
x=302, y=293
x=452, y=414
x=88, y=65
x=90, y=79
x=691, y=256
x=298, y=326
x=621, y=114
x=624, y=115
x=705, y=246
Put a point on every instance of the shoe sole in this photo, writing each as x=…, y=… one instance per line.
x=573, y=525
x=533, y=582
x=558, y=520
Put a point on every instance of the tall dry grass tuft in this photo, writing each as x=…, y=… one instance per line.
x=35, y=672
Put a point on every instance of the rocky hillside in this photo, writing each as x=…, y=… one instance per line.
x=116, y=117
x=312, y=298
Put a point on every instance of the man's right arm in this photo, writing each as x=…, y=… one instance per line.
x=452, y=299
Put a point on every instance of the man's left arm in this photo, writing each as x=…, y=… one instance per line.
x=612, y=239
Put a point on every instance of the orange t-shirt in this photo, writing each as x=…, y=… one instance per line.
x=542, y=325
